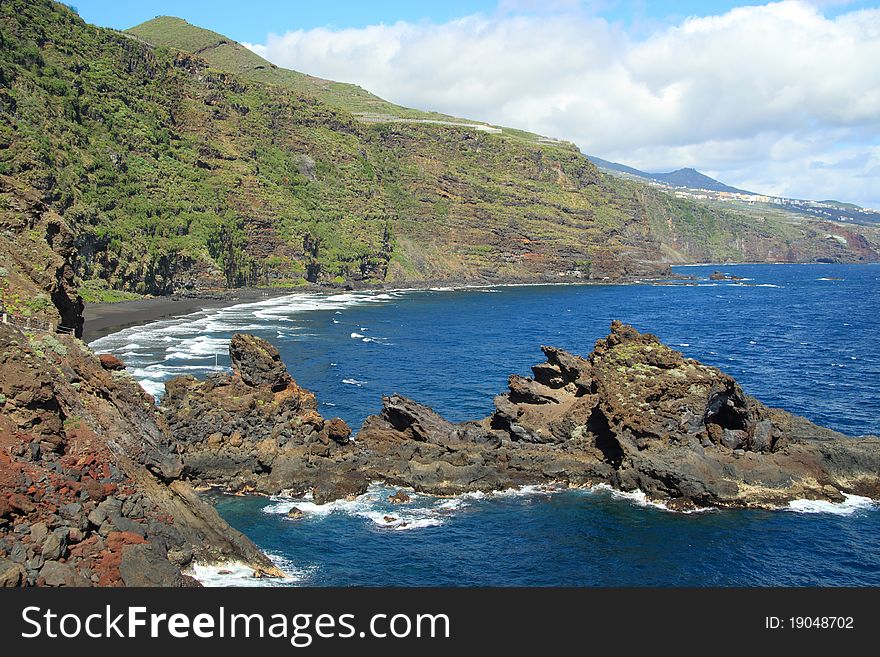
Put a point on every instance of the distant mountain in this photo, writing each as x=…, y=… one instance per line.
x=695, y=180
x=690, y=178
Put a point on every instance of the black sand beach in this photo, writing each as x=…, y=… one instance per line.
x=104, y=318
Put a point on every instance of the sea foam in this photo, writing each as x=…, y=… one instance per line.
x=849, y=506
x=236, y=573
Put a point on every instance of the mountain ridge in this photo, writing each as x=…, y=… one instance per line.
x=690, y=183
x=227, y=54
x=684, y=177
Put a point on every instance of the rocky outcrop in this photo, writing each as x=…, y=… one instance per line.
x=37, y=252
x=721, y=276
x=111, y=362
x=90, y=488
x=257, y=430
x=258, y=363
x=635, y=414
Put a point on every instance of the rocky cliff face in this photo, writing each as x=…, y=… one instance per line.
x=37, y=248
x=635, y=414
x=90, y=488
x=257, y=430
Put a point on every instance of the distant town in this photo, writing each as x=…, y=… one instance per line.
x=826, y=209
x=691, y=184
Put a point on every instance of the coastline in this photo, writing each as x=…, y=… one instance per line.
x=420, y=514
x=102, y=319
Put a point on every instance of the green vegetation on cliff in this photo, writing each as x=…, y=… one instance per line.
x=174, y=158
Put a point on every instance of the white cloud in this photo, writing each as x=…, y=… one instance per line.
x=757, y=95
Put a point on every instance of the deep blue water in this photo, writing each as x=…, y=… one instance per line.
x=802, y=337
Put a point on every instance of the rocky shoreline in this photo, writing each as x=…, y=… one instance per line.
x=635, y=415
x=97, y=482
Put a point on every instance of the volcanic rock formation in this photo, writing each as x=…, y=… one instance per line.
x=257, y=430
x=635, y=414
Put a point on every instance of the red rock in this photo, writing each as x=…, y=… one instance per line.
x=116, y=540
x=19, y=502
x=338, y=430
x=111, y=362
x=107, y=565
x=87, y=549
x=94, y=489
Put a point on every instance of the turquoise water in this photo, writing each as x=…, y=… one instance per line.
x=802, y=337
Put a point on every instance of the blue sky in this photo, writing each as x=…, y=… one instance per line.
x=254, y=20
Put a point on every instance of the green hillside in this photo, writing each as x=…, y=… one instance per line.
x=224, y=53
x=135, y=168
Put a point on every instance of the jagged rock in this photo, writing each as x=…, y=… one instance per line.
x=331, y=484
x=258, y=362
x=39, y=532
x=635, y=414
x=55, y=545
x=20, y=503
x=295, y=513
x=257, y=429
x=142, y=566
x=721, y=276
x=338, y=430
x=399, y=497
x=419, y=422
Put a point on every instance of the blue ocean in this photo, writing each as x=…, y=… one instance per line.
x=801, y=337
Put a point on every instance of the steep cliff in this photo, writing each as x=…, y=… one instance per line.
x=90, y=484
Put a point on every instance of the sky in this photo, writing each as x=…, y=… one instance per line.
x=780, y=98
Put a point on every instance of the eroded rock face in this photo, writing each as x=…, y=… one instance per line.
x=255, y=429
x=90, y=489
